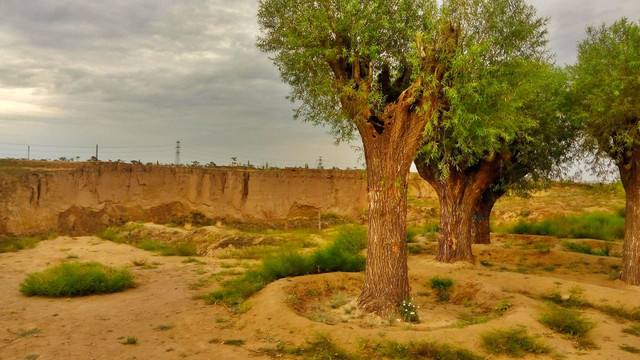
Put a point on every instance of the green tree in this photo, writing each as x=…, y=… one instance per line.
x=501, y=109
x=538, y=155
x=606, y=83
x=372, y=68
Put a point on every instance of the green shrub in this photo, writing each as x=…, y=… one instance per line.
x=513, y=342
x=76, y=279
x=341, y=255
x=442, y=287
x=409, y=311
x=566, y=321
x=595, y=225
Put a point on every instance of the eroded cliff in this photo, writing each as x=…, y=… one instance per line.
x=86, y=198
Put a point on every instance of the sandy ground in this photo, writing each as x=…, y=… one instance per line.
x=170, y=322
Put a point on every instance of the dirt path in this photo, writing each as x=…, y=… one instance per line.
x=168, y=322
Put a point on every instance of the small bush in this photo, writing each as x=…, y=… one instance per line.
x=409, y=311
x=76, y=279
x=131, y=340
x=514, y=342
x=442, y=287
x=566, y=321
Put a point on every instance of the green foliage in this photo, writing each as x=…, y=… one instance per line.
x=594, y=225
x=442, y=287
x=504, y=101
x=131, y=340
x=422, y=230
x=76, y=279
x=409, y=311
x=503, y=306
x=605, y=86
x=13, y=244
x=566, y=321
x=513, y=342
x=341, y=255
x=319, y=46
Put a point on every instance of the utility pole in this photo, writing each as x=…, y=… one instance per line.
x=96, y=152
x=28, y=152
x=177, y=162
x=320, y=166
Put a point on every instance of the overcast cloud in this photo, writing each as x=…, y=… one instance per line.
x=135, y=76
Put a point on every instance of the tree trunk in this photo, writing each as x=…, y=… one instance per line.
x=389, y=143
x=458, y=193
x=481, y=226
x=456, y=216
x=386, y=282
x=630, y=175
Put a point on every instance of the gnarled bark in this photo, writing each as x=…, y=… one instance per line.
x=481, y=226
x=389, y=144
x=458, y=193
x=630, y=175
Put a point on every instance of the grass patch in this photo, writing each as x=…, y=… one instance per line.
x=568, y=322
x=442, y=287
x=629, y=348
x=234, y=342
x=632, y=330
x=321, y=347
x=593, y=225
x=13, y=244
x=419, y=350
x=76, y=279
x=164, y=327
x=341, y=255
x=605, y=250
x=513, y=342
x=114, y=234
x=184, y=248
x=426, y=230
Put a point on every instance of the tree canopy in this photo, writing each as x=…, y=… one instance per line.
x=606, y=83
x=499, y=72
x=330, y=50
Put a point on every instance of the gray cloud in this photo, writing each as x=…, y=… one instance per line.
x=148, y=72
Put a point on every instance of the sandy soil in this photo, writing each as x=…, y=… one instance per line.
x=169, y=322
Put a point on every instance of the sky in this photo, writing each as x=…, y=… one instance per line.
x=135, y=76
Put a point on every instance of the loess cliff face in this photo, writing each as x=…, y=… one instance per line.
x=87, y=198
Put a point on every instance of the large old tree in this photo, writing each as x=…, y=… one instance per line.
x=372, y=68
x=499, y=101
x=606, y=83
